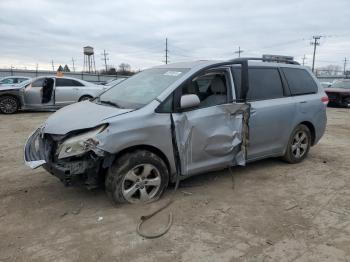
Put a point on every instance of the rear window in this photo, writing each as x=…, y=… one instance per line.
x=67, y=82
x=299, y=81
x=264, y=83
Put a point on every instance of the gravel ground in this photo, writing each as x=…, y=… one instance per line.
x=267, y=211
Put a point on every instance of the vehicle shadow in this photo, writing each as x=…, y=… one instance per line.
x=206, y=179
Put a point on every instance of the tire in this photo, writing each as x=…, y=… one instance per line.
x=297, y=150
x=347, y=101
x=8, y=104
x=136, y=177
x=83, y=98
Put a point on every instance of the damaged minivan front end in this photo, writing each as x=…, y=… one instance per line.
x=72, y=157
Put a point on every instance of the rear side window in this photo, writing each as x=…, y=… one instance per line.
x=67, y=82
x=20, y=80
x=264, y=83
x=299, y=81
x=76, y=83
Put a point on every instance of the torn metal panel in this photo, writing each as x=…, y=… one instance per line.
x=35, y=150
x=212, y=138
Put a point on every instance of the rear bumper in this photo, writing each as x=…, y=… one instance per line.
x=338, y=99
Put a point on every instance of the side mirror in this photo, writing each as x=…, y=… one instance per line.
x=188, y=101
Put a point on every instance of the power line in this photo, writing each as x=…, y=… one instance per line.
x=239, y=51
x=315, y=43
x=166, y=51
x=73, y=64
x=105, y=58
x=304, y=58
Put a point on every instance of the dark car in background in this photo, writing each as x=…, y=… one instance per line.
x=339, y=93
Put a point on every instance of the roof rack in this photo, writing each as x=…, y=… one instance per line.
x=278, y=60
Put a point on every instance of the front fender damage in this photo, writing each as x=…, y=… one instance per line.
x=40, y=150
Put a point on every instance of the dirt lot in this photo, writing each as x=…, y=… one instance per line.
x=270, y=211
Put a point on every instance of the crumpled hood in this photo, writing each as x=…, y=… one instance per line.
x=80, y=115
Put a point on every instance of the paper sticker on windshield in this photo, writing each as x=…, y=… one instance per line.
x=172, y=73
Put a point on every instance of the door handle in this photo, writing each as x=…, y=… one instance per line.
x=303, y=102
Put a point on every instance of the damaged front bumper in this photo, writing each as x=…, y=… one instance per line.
x=39, y=150
x=34, y=155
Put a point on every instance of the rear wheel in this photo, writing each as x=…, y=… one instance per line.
x=298, y=145
x=139, y=176
x=83, y=98
x=8, y=104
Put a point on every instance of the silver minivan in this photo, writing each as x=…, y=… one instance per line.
x=177, y=120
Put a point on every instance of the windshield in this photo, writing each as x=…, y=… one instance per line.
x=140, y=89
x=342, y=84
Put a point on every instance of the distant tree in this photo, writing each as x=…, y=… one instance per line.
x=66, y=69
x=330, y=70
x=112, y=71
x=60, y=69
x=123, y=67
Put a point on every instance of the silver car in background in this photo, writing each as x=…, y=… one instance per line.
x=46, y=93
x=12, y=80
x=173, y=121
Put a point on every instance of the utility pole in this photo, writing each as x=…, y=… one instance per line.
x=239, y=51
x=73, y=60
x=36, y=69
x=304, y=58
x=105, y=59
x=53, y=67
x=315, y=43
x=345, y=61
x=166, y=51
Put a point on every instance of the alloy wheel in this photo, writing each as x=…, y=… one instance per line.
x=300, y=144
x=8, y=105
x=141, y=183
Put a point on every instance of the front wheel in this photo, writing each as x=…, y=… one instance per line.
x=299, y=145
x=139, y=176
x=8, y=104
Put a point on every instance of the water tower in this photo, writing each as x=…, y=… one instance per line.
x=89, y=60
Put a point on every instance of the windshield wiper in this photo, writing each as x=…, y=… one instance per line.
x=109, y=103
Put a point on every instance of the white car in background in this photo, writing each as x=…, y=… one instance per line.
x=13, y=80
x=46, y=93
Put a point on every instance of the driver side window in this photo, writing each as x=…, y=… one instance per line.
x=38, y=83
x=211, y=88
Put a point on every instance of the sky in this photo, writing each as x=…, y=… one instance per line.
x=40, y=31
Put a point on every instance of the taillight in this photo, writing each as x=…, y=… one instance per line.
x=325, y=100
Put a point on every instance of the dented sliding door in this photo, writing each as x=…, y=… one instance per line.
x=211, y=138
